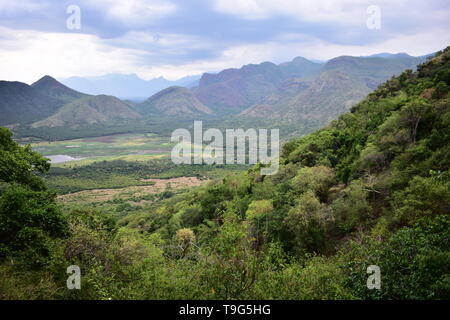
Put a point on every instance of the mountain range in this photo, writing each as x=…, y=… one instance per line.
x=49, y=103
x=288, y=93
x=340, y=83
x=234, y=90
x=126, y=86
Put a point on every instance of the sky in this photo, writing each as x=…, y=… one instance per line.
x=176, y=38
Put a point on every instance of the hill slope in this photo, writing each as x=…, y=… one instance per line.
x=373, y=70
x=52, y=88
x=173, y=101
x=343, y=82
x=232, y=90
x=21, y=103
x=371, y=188
x=90, y=110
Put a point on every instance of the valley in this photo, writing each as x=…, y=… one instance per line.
x=133, y=147
x=363, y=179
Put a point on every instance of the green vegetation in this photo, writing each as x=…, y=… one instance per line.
x=89, y=110
x=30, y=220
x=371, y=188
x=173, y=101
x=109, y=147
x=342, y=82
x=120, y=173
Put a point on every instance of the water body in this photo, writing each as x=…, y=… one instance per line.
x=60, y=158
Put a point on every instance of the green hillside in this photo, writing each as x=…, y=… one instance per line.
x=373, y=70
x=52, y=88
x=21, y=103
x=372, y=188
x=330, y=94
x=342, y=82
x=173, y=101
x=89, y=110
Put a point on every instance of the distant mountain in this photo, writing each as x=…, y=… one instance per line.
x=173, y=101
x=342, y=82
x=388, y=55
x=373, y=70
x=300, y=67
x=292, y=92
x=233, y=90
x=126, y=86
x=90, y=110
x=330, y=94
x=49, y=103
x=22, y=103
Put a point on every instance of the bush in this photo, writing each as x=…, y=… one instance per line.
x=29, y=221
x=414, y=263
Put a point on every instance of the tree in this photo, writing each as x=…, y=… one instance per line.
x=412, y=114
x=29, y=220
x=185, y=238
x=20, y=164
x=306, y=224
x=318, y=179
x=29, y=216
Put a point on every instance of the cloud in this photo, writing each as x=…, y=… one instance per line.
x=174, y=38
x=133, y=13
x=28, y=55
x=343, y=11
x=301, y=45
x=9, y=6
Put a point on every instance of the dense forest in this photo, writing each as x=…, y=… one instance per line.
x=371, y=188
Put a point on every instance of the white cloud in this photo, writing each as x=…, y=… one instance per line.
x=417, y=44
x=27, y=55
x=22, y=5
x=344, y=11
x=133, y=12
x=313, y=48
x=233, y=57
x=162, y=40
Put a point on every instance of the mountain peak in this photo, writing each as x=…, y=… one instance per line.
x=53, y=88
x=46, y=79
x=300, y=59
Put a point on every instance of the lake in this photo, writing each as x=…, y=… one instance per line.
x=60, y=158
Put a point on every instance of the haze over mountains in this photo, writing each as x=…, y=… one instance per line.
x=126, y=86
x=291, y=92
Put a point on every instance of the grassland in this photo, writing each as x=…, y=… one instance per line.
x=134, y=199
x=131, y=147
x=122, y=173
